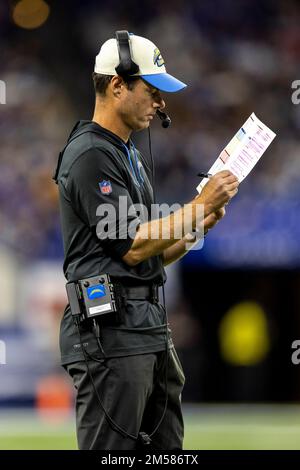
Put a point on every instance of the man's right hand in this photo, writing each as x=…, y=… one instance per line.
x=218, y=191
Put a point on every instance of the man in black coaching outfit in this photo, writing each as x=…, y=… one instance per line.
x=131, y=390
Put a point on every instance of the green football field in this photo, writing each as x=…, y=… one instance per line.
x=206, y=427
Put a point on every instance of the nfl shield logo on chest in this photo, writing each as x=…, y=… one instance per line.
x=105, y=187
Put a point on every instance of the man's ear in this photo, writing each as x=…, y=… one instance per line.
x=117, y=84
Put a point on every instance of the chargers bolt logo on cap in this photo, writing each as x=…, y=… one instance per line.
x=157, y=58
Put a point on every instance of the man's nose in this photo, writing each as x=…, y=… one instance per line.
x=159, y=104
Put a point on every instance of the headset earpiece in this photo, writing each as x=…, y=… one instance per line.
x=126, y=66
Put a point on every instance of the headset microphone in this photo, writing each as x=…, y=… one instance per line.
x=165, y=119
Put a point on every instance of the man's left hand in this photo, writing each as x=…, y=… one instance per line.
x=212, y=219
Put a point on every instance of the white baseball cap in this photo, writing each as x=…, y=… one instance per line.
x=146, y=55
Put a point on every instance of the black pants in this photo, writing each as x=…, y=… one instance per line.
x=132, y=390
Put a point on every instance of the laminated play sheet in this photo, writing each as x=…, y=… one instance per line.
x=243, y=151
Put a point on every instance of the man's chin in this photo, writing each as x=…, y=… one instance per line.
x=142, y=125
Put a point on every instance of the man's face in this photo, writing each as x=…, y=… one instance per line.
x=138, y=105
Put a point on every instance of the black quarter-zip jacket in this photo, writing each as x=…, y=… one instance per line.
x=97, y=169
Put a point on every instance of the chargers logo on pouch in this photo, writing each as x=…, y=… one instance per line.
x=95, y=292
x=157, y=58
x=105, y=187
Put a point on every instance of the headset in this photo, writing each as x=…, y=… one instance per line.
x=127, y=67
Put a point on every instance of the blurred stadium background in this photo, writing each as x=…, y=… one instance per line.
x=233, y=306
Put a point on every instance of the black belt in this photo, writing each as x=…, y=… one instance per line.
x=141, y=293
